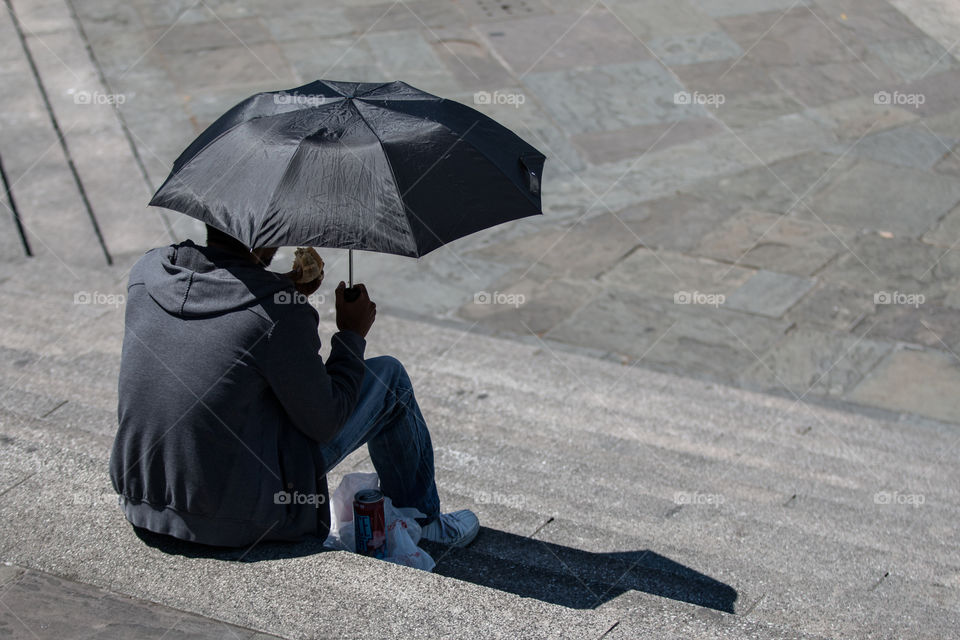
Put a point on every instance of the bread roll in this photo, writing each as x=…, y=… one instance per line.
x=310, y=262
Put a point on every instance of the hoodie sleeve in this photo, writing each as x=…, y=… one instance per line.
x=318, y=397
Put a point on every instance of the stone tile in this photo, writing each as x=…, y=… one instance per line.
x=793, y=38
x=552, y=43
x=305, y=20
x=197, y=71
x=946, y=124
x=697, y=340
x=468, y=59
x=523, y=306
x=664, y=274
x=947, y=232
x=949, y=164
x=611, y=146
x=164, y=14
x=744, y=112
x=941, y=92
x=927, y=323
x=581, y=250
x=406, y=54
x=729, y=77
x=831, y=307
x=678, y=222
x=869, y=21
x=659, y=18
x=873, y=195
x=695, y=48
x=332, y=59
x=780, y=187
x=809, y=361
x=770, y=241
x=493, y=10
x=875, y=263
x=185, y=37
x=816, y=85
x=921, y=382
x=634, y=94
x=913, y=58
x=769, y=293
x=725, y=8
x=911, y=146
x=854, y=118
x=413, y=14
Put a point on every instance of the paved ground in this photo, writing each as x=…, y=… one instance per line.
x=760, y=194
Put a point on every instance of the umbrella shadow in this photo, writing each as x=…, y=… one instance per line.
x=523, y=566
x=574, y=578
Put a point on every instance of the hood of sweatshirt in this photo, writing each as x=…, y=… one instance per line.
x=190, y=280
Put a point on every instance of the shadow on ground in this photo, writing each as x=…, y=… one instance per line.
x=522, y=566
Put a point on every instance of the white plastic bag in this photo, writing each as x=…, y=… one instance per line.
x=403, y=532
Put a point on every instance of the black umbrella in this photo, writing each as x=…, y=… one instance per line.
x=381, y=167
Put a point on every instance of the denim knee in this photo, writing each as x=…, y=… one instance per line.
x=388, y=370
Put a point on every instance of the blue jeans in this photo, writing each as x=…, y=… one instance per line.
x=388, y=420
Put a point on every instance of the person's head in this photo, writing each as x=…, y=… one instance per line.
x=222, y=240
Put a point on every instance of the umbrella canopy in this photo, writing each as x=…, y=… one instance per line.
x=376, y=166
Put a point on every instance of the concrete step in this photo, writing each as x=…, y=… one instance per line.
x=574, y=465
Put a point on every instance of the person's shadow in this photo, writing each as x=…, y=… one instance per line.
x=522, y=566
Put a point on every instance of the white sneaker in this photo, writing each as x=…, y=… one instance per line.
x=456, y=529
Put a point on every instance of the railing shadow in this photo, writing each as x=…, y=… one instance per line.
x=523, y=566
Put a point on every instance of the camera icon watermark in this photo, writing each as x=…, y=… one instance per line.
x=895, y=497
x=704, y=99
x=696, y=498
x=697, y=297
x=295, y=297
x=299, y=99
x=98, y=298
x=910, y=299
x=898, y=99
x=97, y=97
x=514, y=99
x=498, y=297
x=295, y=497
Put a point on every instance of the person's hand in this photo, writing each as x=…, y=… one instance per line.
x=355, y=316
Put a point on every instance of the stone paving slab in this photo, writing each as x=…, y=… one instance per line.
x=921, y=382
x=800, y=171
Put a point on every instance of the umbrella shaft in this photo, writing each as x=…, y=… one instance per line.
x=350, y=262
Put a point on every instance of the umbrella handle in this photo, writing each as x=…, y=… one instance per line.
x=351, y=293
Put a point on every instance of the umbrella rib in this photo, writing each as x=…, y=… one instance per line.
x=393, y=176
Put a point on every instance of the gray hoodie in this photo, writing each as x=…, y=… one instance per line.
x=223, y=397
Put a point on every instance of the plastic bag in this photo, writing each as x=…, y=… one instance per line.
x=403, y=532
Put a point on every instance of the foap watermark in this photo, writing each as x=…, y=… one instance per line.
x=97, y=97
x=98, y=298
x=897, y=297
x=295, y=297
x=511, y=500
x=704, y=99
x=514, y=99
x=698, y=297
x=499, y=297
x=697, y=498
x=895, y=497
x=295, y=497
x=898, y=99
x=299, y=99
